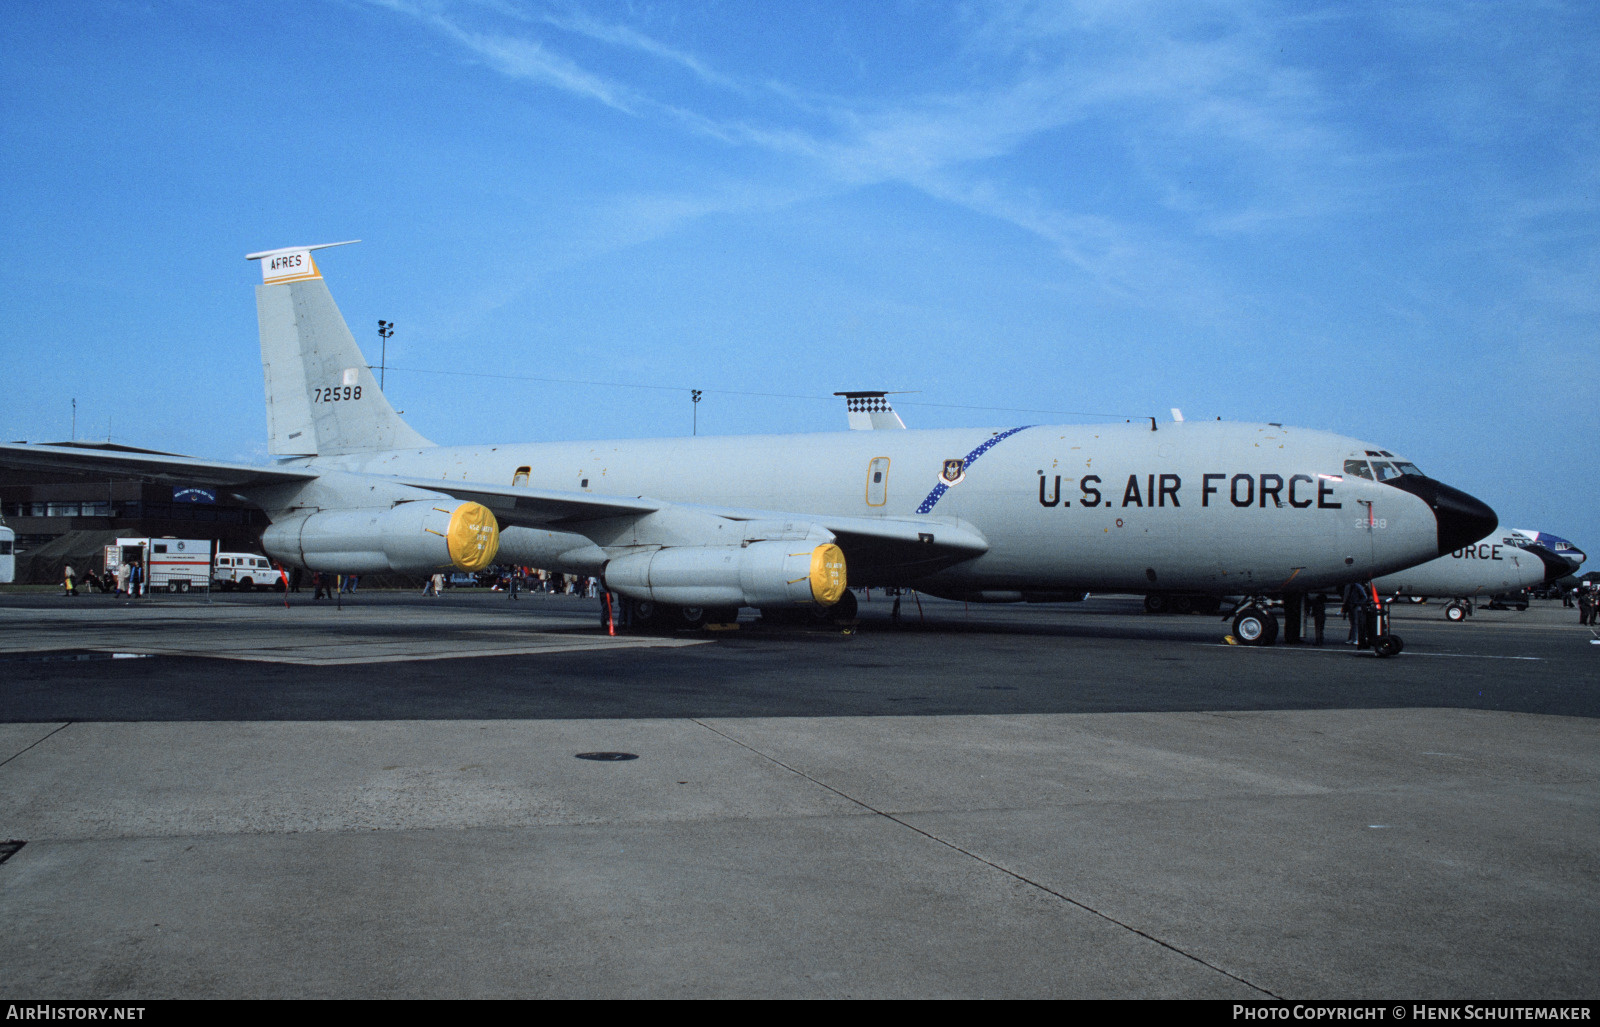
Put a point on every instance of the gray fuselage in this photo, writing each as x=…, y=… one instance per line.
x=1216, y=507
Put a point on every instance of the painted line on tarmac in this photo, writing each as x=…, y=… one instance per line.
x=1339, y=650
x=1479, y=656
x=970, y=854
x=325, y=656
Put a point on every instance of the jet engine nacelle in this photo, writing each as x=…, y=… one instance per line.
x=768, y=574
x=417, y=537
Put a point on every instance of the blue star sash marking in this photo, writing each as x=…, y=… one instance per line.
x=940, y=489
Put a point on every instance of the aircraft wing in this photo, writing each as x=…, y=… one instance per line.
x=135, y=463
x=526, y=507
x=905, y=543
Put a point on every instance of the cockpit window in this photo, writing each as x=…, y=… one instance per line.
x=1405, y=468
x=1385, y=470
x=1358, y=468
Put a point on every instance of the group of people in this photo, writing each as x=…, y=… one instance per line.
x=127, y=579
x=1355, y=606
x=1589, y=604
x=324, y=585
x=516, y=579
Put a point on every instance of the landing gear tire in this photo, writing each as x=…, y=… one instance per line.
x=1417, y=599
x=646, y=612
x=844, y=611
x=692, y=617
x=1255, y=626
x=1387, y=645
x=1155, y=602
x=1455, y=612
x=1182, y=604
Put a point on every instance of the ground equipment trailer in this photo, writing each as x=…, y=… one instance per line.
x=171, y=564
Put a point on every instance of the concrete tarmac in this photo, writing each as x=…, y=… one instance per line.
x=1021, y=801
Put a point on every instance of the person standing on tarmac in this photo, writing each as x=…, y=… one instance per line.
x=1350, y=609
x=1319, y=615
x=67, y=587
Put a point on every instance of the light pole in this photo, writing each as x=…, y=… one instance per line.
x=385, y=329
x=694, y=397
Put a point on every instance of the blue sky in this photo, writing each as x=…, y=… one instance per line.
x=1375, y=219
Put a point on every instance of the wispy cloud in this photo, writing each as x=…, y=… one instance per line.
x=521, y=57
x=1202, y=108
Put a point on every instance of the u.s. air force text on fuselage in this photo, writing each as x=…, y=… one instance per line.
x=1161, y=489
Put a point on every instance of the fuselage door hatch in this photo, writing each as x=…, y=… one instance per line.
x=878, y=481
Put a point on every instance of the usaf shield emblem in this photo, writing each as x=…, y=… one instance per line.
x=954, y=471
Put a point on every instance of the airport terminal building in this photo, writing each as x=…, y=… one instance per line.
x=60, y=518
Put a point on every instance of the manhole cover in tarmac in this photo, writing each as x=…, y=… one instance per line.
x=607, y=757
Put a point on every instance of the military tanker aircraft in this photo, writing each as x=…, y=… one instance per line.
x=685, y=529
x=1504, y=562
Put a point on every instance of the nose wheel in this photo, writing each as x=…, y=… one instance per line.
x=1254, y=625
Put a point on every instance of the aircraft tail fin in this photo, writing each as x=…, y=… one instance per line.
x=321, y=396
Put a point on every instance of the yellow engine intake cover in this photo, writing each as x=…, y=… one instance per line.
x=473, y=538
x=827, y=574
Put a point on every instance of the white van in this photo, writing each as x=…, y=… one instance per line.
x=243, y=570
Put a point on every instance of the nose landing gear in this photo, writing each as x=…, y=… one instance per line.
x=1255, y=625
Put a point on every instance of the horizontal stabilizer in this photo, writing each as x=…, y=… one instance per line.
x=292, y=263
x=870, y=411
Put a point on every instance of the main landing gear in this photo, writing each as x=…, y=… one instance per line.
x=1181, y=602
x=648, y=615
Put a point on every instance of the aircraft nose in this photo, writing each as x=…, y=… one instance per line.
x=1555, y=568
x=1462, y=519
